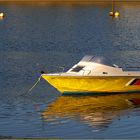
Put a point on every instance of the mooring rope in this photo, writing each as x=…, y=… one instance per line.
x=34, y=84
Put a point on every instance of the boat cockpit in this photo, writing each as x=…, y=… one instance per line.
x=91, y=65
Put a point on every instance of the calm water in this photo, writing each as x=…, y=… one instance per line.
x=35, y=38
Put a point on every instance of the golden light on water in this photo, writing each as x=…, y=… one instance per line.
x=97, y=111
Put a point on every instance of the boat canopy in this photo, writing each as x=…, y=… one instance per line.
x=93, y=65
x=97, y=59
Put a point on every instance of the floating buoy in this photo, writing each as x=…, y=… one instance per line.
x=116, y=14
x=1, y=15
x=111, y=13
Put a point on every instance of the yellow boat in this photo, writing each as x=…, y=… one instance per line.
x=92, y=77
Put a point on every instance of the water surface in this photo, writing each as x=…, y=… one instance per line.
x=35, y=38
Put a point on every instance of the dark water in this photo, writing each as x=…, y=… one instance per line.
x=34, y=38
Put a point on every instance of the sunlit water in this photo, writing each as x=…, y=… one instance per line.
x=35, y=38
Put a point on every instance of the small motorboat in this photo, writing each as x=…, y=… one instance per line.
x=91, y=76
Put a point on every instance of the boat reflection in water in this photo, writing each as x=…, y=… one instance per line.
x=97, y=112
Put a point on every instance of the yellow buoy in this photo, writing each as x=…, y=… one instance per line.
x=1, y=15
x=116, y=14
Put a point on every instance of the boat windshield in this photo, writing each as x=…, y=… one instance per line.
x=98, y=59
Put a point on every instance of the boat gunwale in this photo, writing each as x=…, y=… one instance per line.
x=90, y=76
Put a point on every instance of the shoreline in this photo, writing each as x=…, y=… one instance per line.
x=70, y=2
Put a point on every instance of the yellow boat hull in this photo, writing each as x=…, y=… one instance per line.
x=92, y=84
